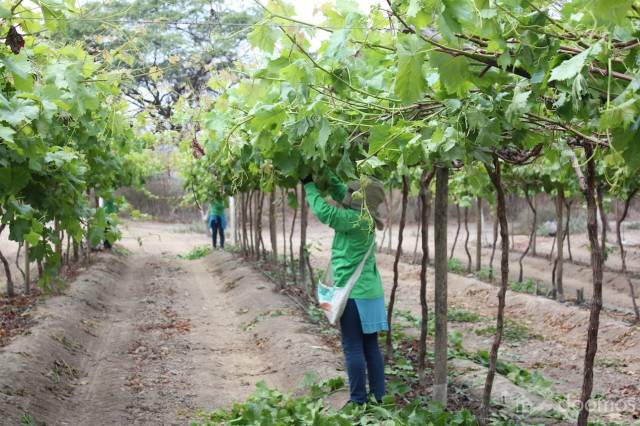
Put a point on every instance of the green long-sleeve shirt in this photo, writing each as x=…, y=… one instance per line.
x=216, y=208
x=354, y=235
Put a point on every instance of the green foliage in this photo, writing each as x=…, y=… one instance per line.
x=484, y=274
x=456, y=266
x=65, y=138
x=169, y=51
x=271, y=407
x=196, y=253
x=514, y=331
x=462, y=315
x=528, y=286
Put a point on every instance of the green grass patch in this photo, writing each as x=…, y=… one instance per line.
x=484, y=274
x=138, y=215
x=196, y=253
x=513, y=331
x=462, y=315
x=455, y=266
x=528, y=286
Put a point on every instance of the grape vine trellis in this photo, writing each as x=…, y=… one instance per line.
x=64, y=140
x=448, y=85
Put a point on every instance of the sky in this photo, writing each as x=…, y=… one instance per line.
x=306, y=8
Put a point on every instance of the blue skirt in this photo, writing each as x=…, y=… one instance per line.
x=373, y=315
x=217, y=219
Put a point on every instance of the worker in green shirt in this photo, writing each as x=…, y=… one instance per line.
x=217, y=222
x=364, y=315
x=109, y=208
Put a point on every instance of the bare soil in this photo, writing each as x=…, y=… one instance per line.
x=148, y=338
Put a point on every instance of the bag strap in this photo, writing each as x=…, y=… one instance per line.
x=356, y=274
x=358, y=271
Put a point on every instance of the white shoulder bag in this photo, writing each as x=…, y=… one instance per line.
x=333, y=299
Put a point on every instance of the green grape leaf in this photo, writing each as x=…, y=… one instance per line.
x=13, y=179
x=410, y=84
x=571, y=67
x=610, y=11
x=453, y=71
x=16, y=111
x=519, y=105
x=21, y=69
x=264, y=37
x=6, y=134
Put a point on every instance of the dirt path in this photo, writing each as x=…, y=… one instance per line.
x=149, y=338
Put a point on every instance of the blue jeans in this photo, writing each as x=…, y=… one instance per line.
x=362, y=356
x=217, y=228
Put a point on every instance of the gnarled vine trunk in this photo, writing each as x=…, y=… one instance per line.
x=396, y=261
x=466, y=239
x=440, y=224
x=425, y=180
x=293, y=225
x=558, y=285
x=623, y=253
x=532, y=235
x=283, y=194
x=567, y=232
x=479, y=234
x=493, y=245
x=273, y=233
x=588, y=185
x=455, y=240
x=304, y=221
x=496, y=178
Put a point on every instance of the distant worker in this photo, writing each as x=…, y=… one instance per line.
x=217, y=222
x=110, y=208
x=353, y=245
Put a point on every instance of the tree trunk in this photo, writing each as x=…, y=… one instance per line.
x=534, y=250
x=567, y=233
x=466, y=240
x=390, y=220
x=531, y=235
x=428, y=215
x=76, y=251
x=260, y=239
x=283, y=194
x=392, y=298
x=18, y=267
x=7, y=270
x=479, y=234
x=251, y=233
x=588, y=186
x=440, y=228
x=418, y=233
x=293, y=225
x=455, y=240
x=493, y=246
x=304, y=221
x=496, y=178
x=623, y=253
x=560, y=239
x=243, y=219
x=273, y=233
x=425, y=180
x=603, y=219
x=27, y=269
x=58, y=242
